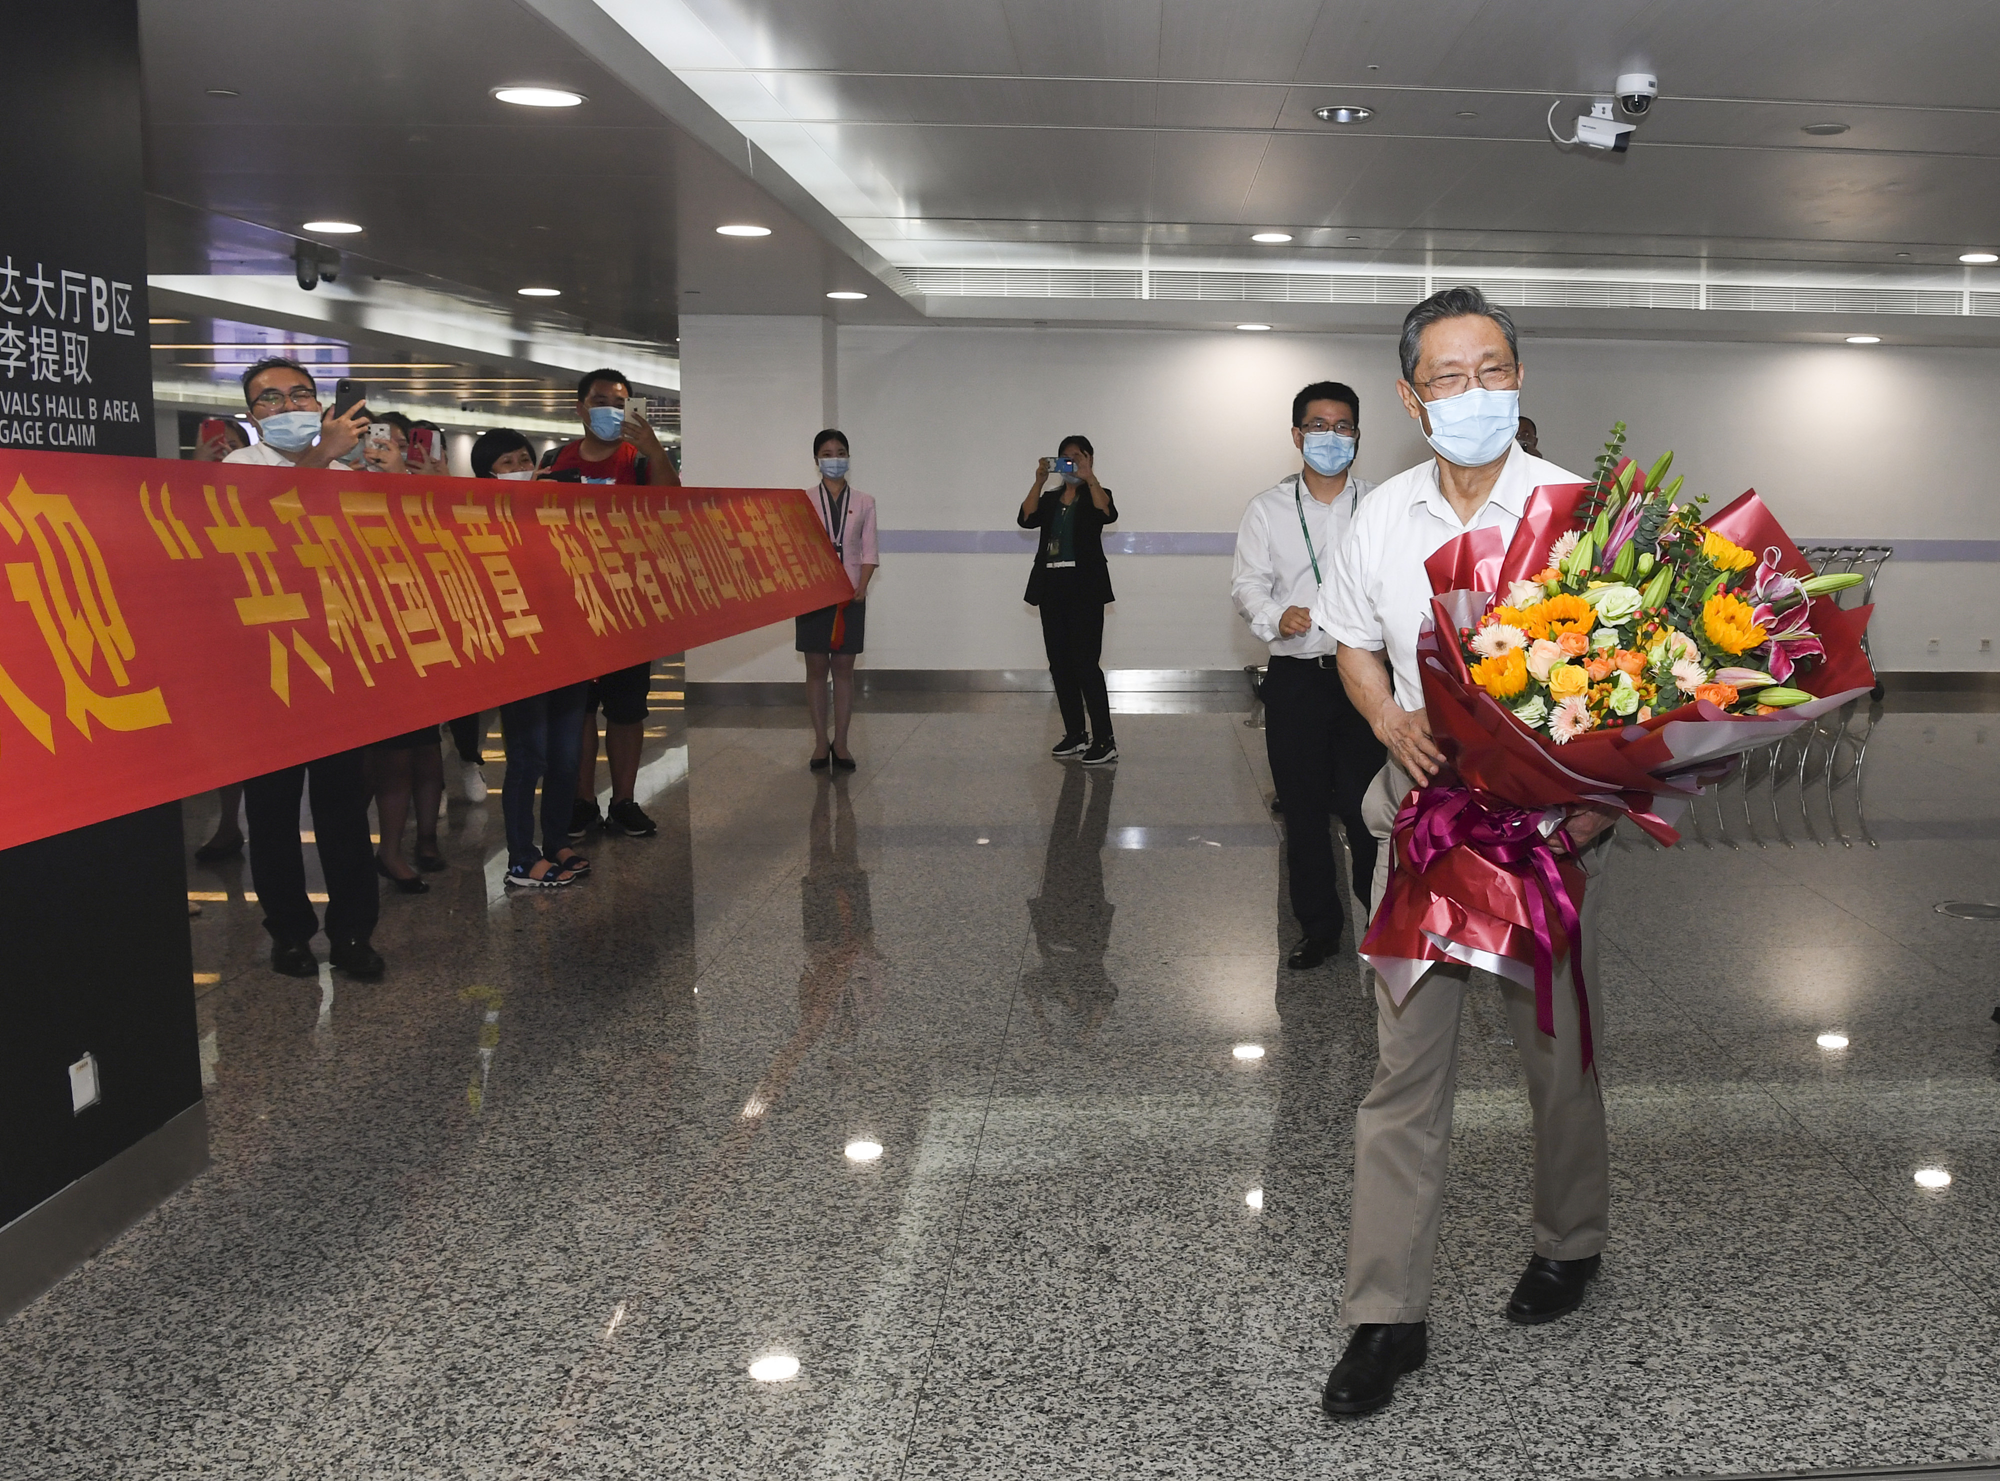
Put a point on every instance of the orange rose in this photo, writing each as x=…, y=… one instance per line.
x=1574, y=644
x=1599, y=669
x=1547, y=577
x=1633, y=663
x=1723, y=695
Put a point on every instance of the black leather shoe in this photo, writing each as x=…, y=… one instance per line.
x=1551, y=1288
x=294, y=959
x=357, y=959
x=1377, y=1355
x=1310, y=952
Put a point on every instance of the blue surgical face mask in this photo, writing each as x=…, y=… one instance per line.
x=290, y=431
x=833, y=467
x=607, y=423
x=1474, y=427
x=1328, y=453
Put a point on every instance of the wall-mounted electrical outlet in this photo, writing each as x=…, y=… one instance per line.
x=1986, y=646
x=83, y=1084
x=1931, y=646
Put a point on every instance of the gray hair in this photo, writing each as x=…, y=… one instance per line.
x=1450, y=303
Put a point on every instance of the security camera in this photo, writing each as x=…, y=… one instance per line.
x=305, y=265
x=1636, y=91
x=1600, y=130
x=329, y=264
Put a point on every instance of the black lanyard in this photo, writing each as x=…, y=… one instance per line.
x=835, y=515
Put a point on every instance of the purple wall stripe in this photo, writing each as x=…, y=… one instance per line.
x=1210, y=542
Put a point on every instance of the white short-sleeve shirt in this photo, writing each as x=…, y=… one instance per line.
x=1378, y=596
x=1274, y=567
x=259, y=452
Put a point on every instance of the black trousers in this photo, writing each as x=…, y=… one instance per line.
x=340, y=829
x=1073, y=635
x=1323, y=756
x=465, y=735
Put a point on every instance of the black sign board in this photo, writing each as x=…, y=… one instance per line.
x=75, y=361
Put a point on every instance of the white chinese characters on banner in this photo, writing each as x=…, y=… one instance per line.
x=49, y=316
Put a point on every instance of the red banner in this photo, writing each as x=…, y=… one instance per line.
x=168, y=627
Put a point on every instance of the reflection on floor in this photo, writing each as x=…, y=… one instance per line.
x=926, y=1081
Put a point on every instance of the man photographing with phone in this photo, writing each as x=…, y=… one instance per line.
x=297, y=433
x=618, y=446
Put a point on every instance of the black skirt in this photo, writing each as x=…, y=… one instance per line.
x=410, y=740
x=815, y=630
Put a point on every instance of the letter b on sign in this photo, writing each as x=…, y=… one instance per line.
x=100, y=305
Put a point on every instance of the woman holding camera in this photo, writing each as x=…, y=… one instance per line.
x=1071, y=584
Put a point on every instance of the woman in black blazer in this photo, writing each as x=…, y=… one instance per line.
x=1071, y=584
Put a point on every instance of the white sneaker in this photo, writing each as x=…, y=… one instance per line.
x=474, y=781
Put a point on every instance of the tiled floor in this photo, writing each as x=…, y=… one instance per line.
x=532, y=1206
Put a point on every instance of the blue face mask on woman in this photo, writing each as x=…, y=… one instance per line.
x=607, y=423
x=1328, y=453
x=833, y=467
x=290, y=431
x=1474, y=427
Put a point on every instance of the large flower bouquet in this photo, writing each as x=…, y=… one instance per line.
x=1622, y=650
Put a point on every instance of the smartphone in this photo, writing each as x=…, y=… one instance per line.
x=638, y=404
x=426, y=445
x=379, y=434
x=347, y=395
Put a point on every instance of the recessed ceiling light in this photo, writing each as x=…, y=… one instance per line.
x=776, y=1368
x=1255, y=1198
x=1831, y=1041
x=1248, y=1051
x=331, y=228
x=539, y=292
x=1902, y=254
x=846, y=295
x=1978, y=257
x=221, y=92
x=1824, y=130
x=166, y=321
x=863, y=1151
x=1354, y=239
x=1465, y=113
x=538, y=97
x=1270, y=236
x=1343, y=113
x=1860, y=339
x=1933, y=1177
x=1253, y=328
x=743, y=231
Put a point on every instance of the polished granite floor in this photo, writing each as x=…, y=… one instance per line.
x=534, y=1205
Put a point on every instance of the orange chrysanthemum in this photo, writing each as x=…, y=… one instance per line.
x=1502, y=677
x=1730, y=624
x=1560, y=614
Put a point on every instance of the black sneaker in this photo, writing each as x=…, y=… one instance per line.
x=1071, y=745
x=294, y=959
x=629, y=818
x=1101, y=753
x=583, y=816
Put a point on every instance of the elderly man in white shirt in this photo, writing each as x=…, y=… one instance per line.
x=1323, y=755
x=1461, y=378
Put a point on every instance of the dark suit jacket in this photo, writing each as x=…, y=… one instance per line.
x=1087, y=536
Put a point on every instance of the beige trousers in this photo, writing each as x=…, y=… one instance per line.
x=1402, y=1133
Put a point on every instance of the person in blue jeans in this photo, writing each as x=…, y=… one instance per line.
x=542, y=734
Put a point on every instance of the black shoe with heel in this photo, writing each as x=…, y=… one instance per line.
x=411, y=886
x=1377, y=1355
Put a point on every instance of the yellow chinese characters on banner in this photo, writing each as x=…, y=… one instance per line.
x=168, y=627
x=64, y=582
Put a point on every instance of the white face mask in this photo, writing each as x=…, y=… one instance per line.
x=833, y=467
x=290, y=431
x=1474, y=427
x=518, y=476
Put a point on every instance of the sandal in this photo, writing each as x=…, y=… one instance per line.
x=572, y=863
x=523, y=876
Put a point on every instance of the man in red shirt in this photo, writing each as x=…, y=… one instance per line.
x=617, y=446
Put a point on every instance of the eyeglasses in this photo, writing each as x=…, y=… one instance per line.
x=1320, y=424
x=1490, y=378
x=303, y=397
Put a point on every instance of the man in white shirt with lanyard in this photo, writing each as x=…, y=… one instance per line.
x=1323, y=755
x=1461, y=384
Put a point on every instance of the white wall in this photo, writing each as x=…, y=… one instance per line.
x=947, y=423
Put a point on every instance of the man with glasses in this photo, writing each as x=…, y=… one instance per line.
x=1461, y=384
x=296, y=433
x=291, y=428
x=1322, y=753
